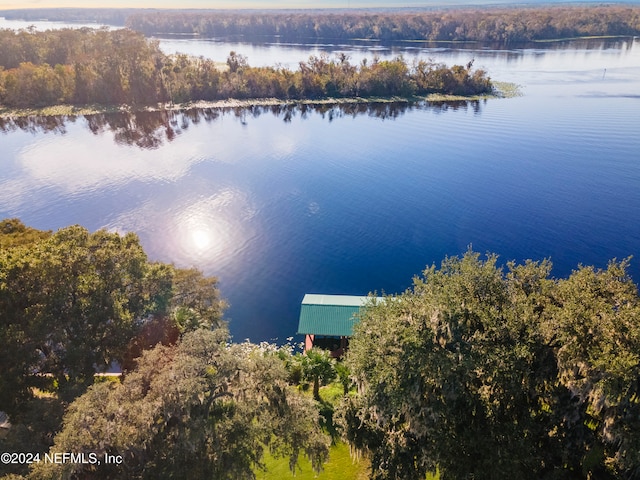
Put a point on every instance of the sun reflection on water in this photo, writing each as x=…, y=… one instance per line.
x=201, y=239
x=207, y=232
x=212, y=228
x=202, y=233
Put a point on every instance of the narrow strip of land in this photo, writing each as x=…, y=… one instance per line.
x=501, y=90
x=123, y=68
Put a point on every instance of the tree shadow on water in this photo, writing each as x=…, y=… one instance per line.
x=150, y=130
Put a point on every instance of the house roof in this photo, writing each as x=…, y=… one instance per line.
x=329, y=315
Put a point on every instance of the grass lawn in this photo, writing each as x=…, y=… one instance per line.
x=339, y=467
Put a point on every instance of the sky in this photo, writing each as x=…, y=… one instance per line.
x=9, y=4
x=6, y=4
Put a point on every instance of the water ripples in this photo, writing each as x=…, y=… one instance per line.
x=279, y=202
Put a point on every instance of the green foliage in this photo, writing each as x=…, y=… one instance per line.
x=344, y=376
x=198, y=409
x=317, y=367
x=195, y=300
x=78, y=66
x=499, y=375
x=478, y=371
x=73, y=302
x=597, y=327
x=32, y=430
x=122, y=67
x=194, y=406
x=69, y=304
x=14, y=233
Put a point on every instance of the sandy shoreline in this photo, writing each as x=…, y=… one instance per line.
x=503, y=90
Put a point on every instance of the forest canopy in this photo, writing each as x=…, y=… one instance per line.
x=481, y=371
x=73, y=302
x=503, y=25
x=481, y=24
x=122, y=67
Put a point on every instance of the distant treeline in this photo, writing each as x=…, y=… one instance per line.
x=506, y=25
x=122, y=67
x=106, y=16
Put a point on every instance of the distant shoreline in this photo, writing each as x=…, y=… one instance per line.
x=503, y=90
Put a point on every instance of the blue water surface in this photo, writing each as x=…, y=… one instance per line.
x=282, y=202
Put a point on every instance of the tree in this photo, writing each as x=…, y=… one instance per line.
x=318, y=367
x=72, y=301
x=195, y=300
x=198, y=409
x=504, y=24
x=485, y=374
x=68, y=303
x=597, y=327
x=13, y=233
x=236, y=61
x=344, y=377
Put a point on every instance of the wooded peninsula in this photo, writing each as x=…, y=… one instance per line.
x=87, y=66
x=122, y=67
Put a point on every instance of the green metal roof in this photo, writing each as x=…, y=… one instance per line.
x=330, y=315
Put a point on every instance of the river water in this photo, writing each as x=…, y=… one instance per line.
x=279, y=202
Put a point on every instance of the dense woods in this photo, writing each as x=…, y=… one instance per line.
x=78, y=67
x=504, y=25
x=122, y=67
x=74, y=302
x=197, y=409
x=481, y=370
x=485, y=24
x=486, y=372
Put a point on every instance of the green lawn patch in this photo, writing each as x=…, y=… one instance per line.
x=341, y=466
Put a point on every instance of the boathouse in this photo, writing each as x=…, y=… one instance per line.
x=327, y=321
